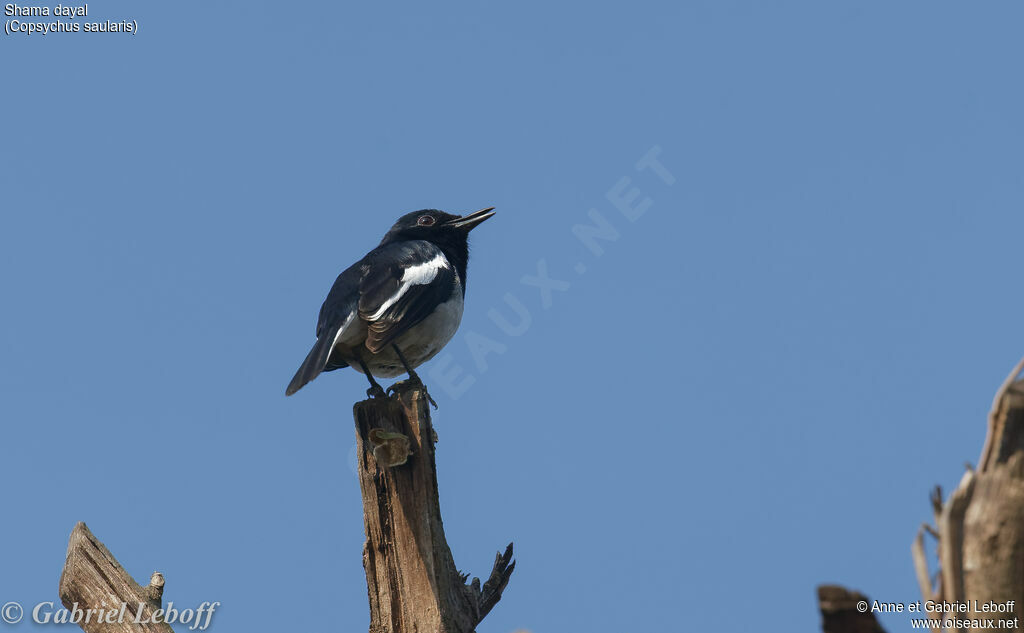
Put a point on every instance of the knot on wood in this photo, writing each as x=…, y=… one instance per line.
x=389, y=449
x=154, y=592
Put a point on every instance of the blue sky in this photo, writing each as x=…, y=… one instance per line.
x=756, y=383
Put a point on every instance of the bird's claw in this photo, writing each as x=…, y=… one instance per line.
x=412, y=382
x=376, y=391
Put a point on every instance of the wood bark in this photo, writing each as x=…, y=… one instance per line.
x=411, y=578
x=93, y=579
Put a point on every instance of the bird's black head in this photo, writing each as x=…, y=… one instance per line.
x=448, y=232
x=435, y=226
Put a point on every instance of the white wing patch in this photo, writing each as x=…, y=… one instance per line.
x=418, y=275
x=341, y=331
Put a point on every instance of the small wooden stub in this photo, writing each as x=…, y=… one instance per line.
x=843, y=611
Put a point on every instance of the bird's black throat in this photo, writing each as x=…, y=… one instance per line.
x=456, y=251
x=453, y=243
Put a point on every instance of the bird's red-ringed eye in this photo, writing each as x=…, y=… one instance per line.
x=425, y=220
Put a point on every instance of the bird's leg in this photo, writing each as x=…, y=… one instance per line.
x=413, y=376
x=375, y=390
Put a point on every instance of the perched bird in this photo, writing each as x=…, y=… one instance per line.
x=394, y=309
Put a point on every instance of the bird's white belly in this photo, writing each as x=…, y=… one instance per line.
x=422, y=342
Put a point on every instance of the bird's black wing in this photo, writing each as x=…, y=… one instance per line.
x=341, y=307
x=337, y=313
x=404, y=282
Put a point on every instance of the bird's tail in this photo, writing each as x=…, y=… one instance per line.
x=315, y=361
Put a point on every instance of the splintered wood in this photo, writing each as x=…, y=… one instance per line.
x=980, y=527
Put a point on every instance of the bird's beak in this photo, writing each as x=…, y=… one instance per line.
x=468, y=222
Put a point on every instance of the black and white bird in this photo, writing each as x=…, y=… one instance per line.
x=394, y=309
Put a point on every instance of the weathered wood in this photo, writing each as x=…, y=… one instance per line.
x=993, y=524
x=411, y=578
x=93, y=579
x=979, y=531
x=981, y=526
x=839, y=612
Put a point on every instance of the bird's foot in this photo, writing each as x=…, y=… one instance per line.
x=376, y=391
x=415, y=382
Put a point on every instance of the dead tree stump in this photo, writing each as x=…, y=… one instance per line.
x=411, y=578
x=93, y=580
x=980, y=528
x=979, y=532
